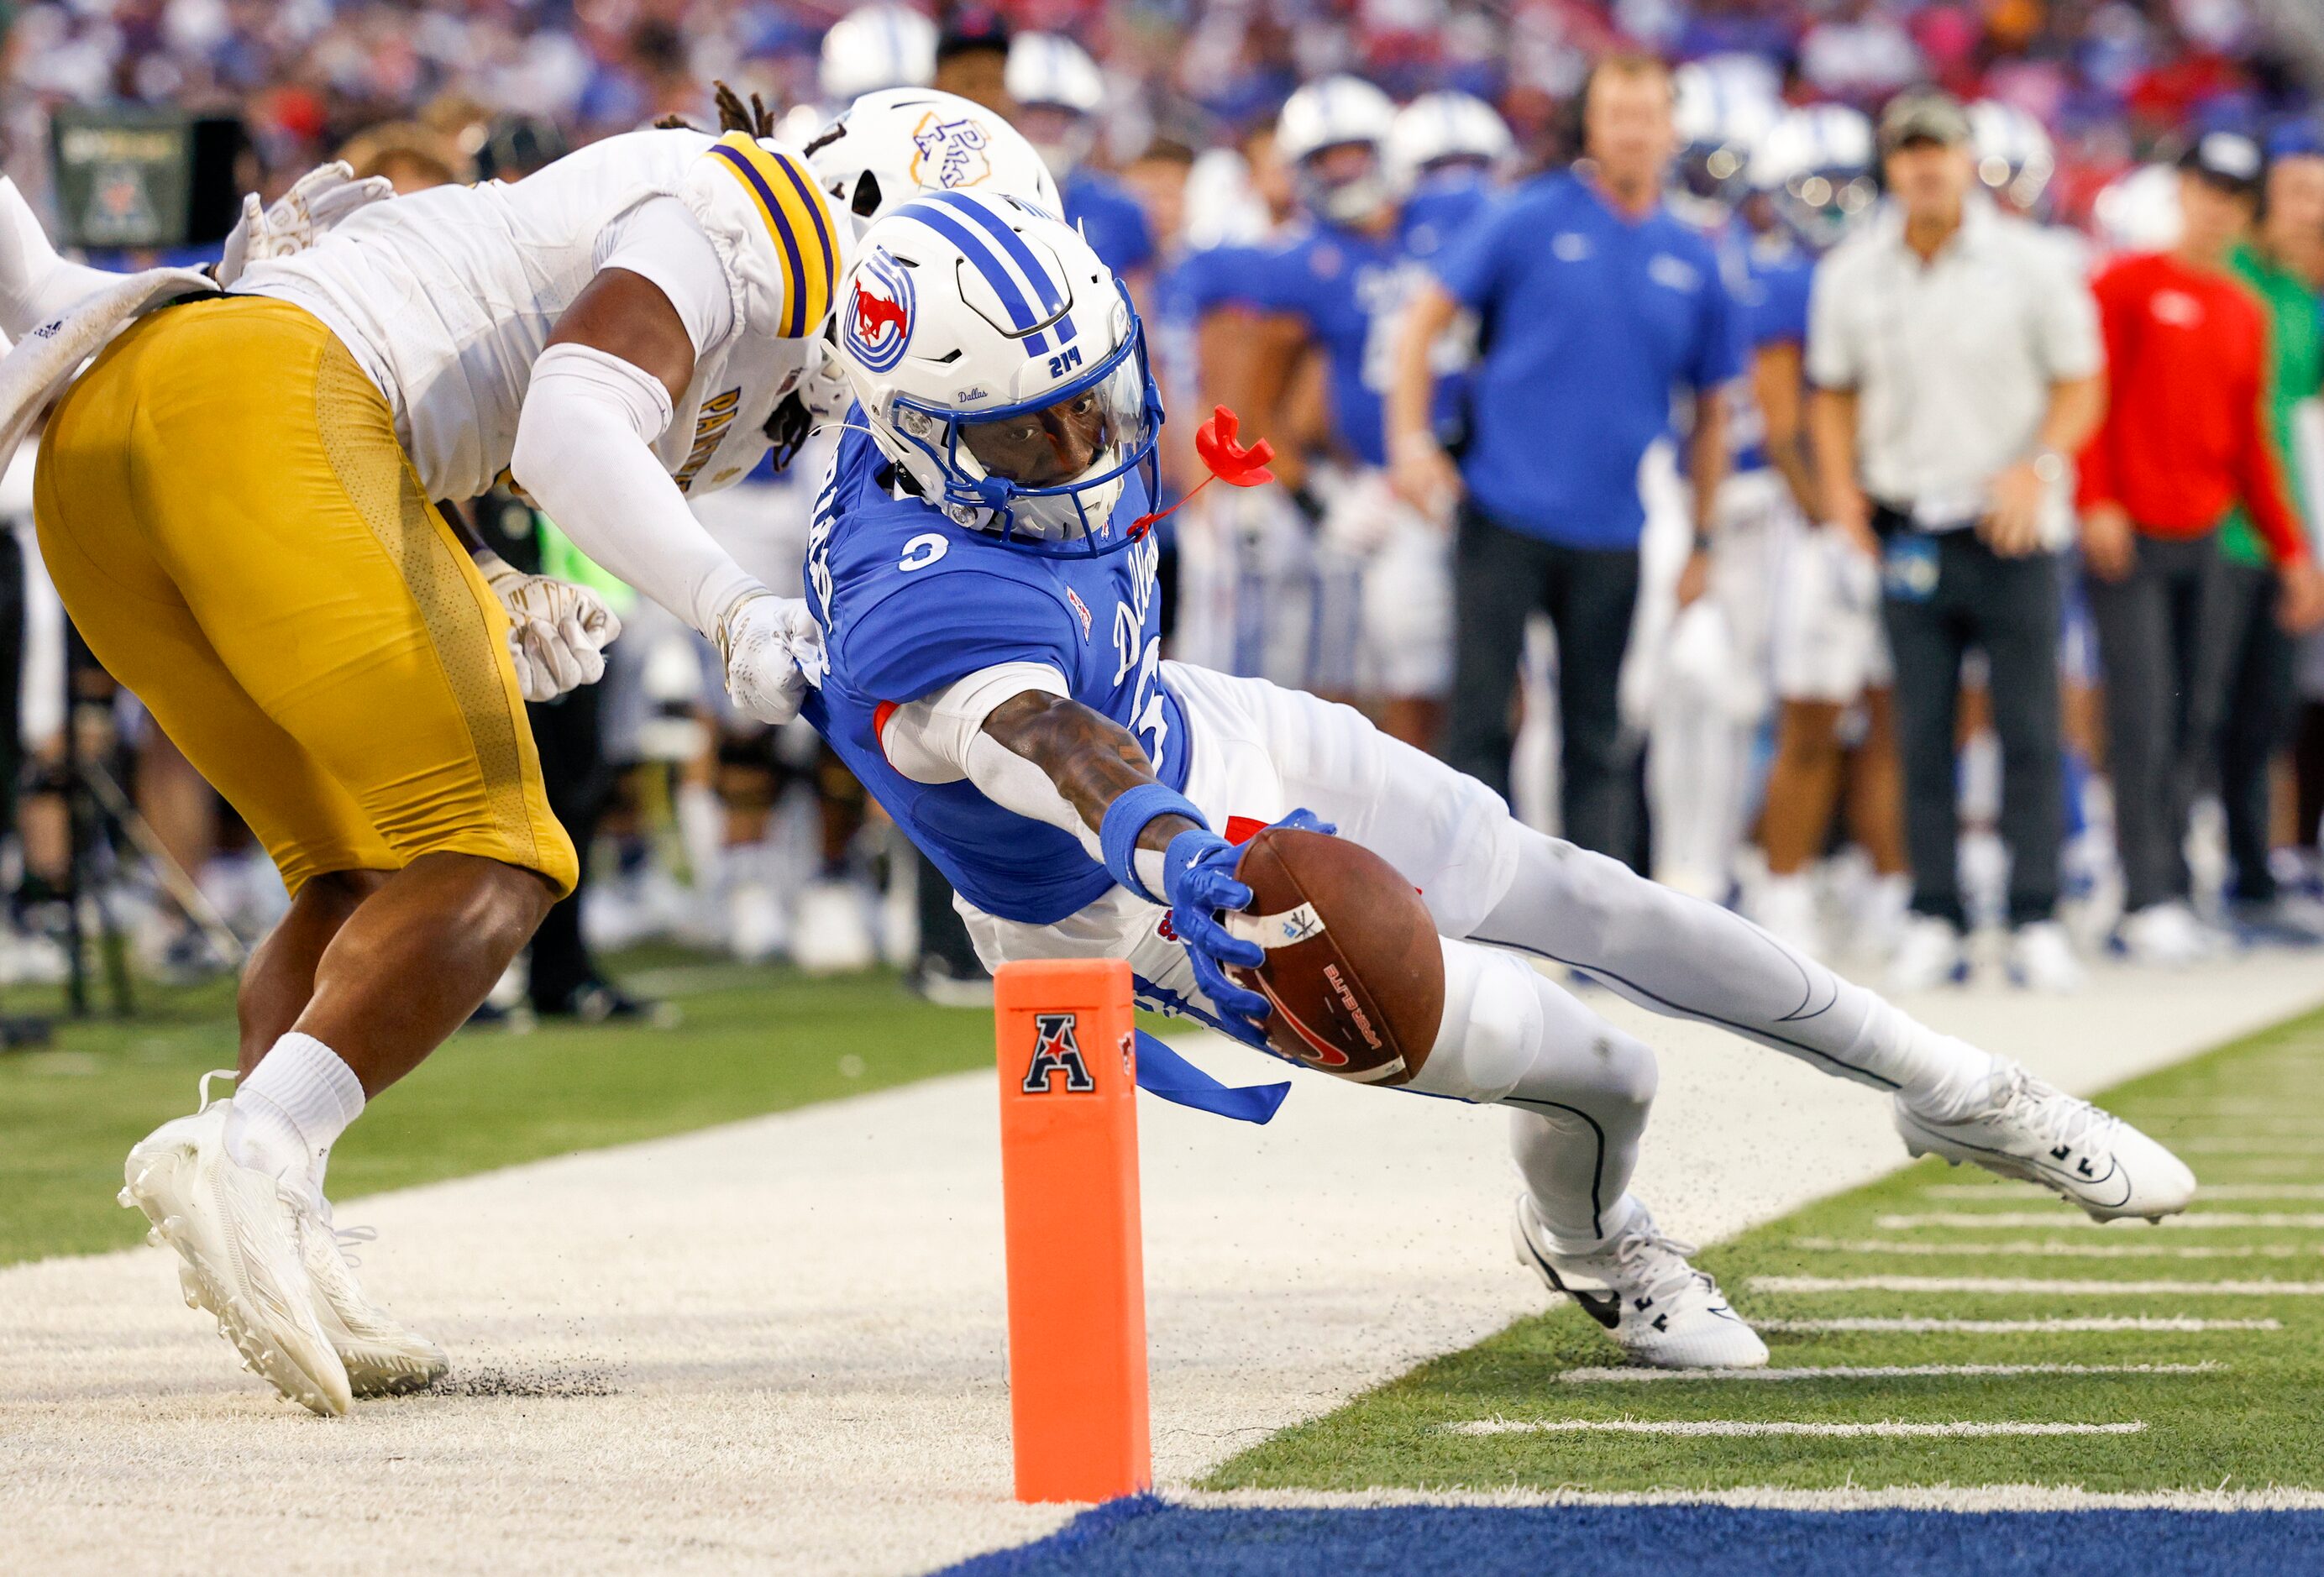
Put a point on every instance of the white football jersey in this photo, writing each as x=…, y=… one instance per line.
x=447, y=297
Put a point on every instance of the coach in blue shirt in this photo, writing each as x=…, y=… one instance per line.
x=1597, y=307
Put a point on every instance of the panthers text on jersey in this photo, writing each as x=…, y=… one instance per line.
x=910, y=603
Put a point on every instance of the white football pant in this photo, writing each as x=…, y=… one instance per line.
x=1580, y=1088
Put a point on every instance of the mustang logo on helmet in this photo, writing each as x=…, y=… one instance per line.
x=879, y=313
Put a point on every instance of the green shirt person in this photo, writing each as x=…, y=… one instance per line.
x=2296, y=372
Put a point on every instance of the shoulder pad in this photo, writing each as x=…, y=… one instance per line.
x=773, y=230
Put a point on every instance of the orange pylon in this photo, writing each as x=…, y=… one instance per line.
x=1076, y=1271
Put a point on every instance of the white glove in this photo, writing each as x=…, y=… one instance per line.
x=316, y=201
x=557, y=631
x=773, y=650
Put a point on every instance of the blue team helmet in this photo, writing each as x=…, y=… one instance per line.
x=1001, y=366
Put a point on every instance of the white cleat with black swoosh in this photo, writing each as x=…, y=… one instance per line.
x=2083, y=1153
x=239, y=1235
x=1660, y=1309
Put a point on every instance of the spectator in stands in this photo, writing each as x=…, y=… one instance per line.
x=1955, y=363
x=2247, y=684
x=1600, y=305
x=2183, y=441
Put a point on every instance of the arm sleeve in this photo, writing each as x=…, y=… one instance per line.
x=584, y=452
x=928, y=740
x=944, y=734
x=662, y=240
x=1834, y=360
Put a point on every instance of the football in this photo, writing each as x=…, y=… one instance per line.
x=1354, y=971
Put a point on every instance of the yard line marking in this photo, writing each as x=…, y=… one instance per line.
x=1919, y=1326
x=2207, y=1191
x=1887, y=1428
x=1628, y=1376
x=2027, y=1284
x=2058, y=1250
x=1900, y=1498
x=2192, y=1220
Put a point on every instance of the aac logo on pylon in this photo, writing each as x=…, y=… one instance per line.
x=1056, y=1050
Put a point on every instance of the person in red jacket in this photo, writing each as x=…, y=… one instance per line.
x=2184, y=440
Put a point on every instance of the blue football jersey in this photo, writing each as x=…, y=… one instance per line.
x=1349, y=290
x=910, y=603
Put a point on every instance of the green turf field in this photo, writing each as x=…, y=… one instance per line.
x=2193, y=1403
x=752, y=1040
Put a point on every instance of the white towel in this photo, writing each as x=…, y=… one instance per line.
x=36, y=369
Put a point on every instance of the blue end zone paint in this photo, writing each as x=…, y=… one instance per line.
x=1142, y=1536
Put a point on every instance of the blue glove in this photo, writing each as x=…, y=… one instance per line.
x=1197, y=882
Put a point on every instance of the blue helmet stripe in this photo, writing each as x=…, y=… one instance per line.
x=1012, y=300
x=1052, y=297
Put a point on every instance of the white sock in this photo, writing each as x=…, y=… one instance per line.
x=293, y=1107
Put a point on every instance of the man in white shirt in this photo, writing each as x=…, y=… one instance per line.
x=1956, y=363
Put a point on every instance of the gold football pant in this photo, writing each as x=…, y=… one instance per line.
x=234, y=529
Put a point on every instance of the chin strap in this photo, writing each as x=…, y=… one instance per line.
x=1229, y=462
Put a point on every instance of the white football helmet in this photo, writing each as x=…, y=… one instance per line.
x=1001, y=367
x=2014, y=156
x=889, y=147
x=1059, y=90
x=1334, y=113
x=874, y=47
x=1817, y=165
x=1443, y=128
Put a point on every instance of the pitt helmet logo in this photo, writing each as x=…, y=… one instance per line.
x=879, y=313
x=1055, y=1051
x=951, y=154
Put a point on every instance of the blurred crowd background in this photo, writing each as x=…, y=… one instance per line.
x=2110, y=78
x=717, y=834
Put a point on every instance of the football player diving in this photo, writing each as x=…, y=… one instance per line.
x=982, y=567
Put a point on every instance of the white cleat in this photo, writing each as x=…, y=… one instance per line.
x=238, y=1233
x=383, y=1357
x=1661, y=1310
x=2037, y=1132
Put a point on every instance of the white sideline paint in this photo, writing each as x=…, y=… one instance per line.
x=1905, y=1497
x=1888, y=1429
x=2195, y=1220
x=2014, y=1327
x=2055, y=1250
x=1612, y=1375
x=799, y=1318
x=2016, y=1284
